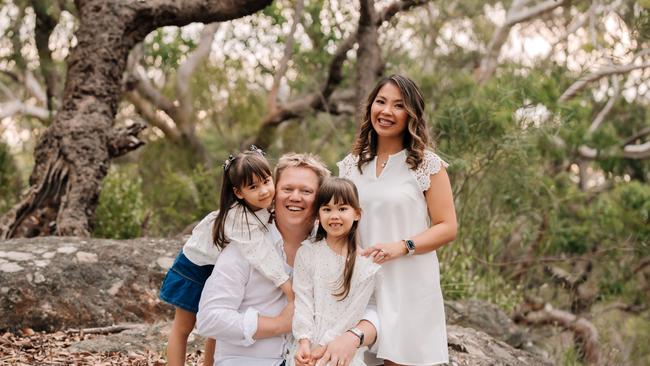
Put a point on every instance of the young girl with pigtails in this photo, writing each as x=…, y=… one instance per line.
x=247, y=191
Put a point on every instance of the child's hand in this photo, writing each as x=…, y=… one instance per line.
x=316, y=353
x=303, y=354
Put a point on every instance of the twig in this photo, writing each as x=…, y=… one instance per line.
x=105, y=330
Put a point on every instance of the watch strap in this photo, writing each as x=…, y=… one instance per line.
x=410, y=246
x=357, y=332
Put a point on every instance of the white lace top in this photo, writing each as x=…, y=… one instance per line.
x=247, y=233
x=319, y=316
x=408, y=294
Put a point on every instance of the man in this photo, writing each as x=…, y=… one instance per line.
x=250, y=317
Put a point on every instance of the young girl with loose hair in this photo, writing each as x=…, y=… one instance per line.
x=406, y=195
x=247, y=192
x=332, y=283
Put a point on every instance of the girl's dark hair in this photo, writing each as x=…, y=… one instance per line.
x=416, y=137
x=239, y=171
x=341, y=191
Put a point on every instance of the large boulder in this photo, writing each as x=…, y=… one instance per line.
x=471, y=347
x=486, y=317
x=53, y=283
x=57, y=283
x=467, y=347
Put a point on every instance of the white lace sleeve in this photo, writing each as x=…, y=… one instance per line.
x=347, y=165
x=431, y=164
x=303, y=325
x=246, y=233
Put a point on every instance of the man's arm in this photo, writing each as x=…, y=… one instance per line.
x=220, y=315
x=342, y=349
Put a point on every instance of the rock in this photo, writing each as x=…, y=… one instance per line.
x=470, y=347
x=486, y=317
x=55, y=283
x=467, y=347
x=144, y=337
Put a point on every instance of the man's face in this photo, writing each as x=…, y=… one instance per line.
x=295, y=196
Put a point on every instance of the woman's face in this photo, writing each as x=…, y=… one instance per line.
x=388, y=114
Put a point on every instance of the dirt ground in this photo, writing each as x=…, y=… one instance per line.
x=36, y=348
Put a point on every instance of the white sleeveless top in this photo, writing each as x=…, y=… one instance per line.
x=408, y=294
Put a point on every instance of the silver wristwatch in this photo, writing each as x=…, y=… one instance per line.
x=410, y=246
x=357, y=332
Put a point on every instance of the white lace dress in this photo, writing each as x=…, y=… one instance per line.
x=408, y=294
x=319, y=316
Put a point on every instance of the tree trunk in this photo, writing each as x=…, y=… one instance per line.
x=73, y=155
x=369, y=63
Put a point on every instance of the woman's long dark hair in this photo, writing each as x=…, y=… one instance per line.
x=341, y=191
x=416, y=136
x=239, y=171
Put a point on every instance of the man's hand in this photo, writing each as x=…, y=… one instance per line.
x=340, y=351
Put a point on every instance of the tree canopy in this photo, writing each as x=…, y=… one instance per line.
x=540, y=107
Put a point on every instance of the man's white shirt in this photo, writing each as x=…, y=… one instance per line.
x=233, y=297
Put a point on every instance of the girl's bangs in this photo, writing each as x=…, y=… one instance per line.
x=338, y=191
x=254, y=167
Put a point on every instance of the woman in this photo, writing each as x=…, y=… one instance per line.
x=405, y=191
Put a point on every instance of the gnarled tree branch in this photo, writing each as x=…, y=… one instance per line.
x=517, y=13
x=580, y=84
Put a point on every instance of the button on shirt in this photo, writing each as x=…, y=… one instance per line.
x=233, y=297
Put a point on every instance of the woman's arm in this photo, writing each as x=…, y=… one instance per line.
x=440, y=205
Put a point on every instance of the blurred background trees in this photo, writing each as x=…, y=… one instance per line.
x=540, y=107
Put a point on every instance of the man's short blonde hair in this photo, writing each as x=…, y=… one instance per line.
x=303, y=160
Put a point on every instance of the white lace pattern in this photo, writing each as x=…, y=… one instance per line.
x=431, y=164
x=347, y=165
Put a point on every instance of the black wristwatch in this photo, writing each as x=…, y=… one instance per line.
x=410, y=246
x=357, y=332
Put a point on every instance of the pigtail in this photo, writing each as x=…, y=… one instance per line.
x=238, y=171
x=227, y=200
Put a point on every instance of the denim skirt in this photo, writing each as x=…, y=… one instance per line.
x=184, y=282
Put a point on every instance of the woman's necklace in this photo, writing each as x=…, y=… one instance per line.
x=383, y=164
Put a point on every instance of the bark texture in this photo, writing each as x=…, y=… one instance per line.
x=73, y=155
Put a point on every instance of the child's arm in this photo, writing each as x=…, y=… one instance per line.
x=261, y=254
x=303, y=318
x=344, y=345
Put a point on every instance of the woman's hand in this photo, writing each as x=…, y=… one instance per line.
x=385, y=252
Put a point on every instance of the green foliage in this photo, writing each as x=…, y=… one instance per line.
x=120, y=211
x=10, y=182
x=176, y=190
x=165, y=48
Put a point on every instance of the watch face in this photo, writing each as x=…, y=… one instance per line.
x=410, y=244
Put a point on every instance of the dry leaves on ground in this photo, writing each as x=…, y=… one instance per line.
x=38, y=348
